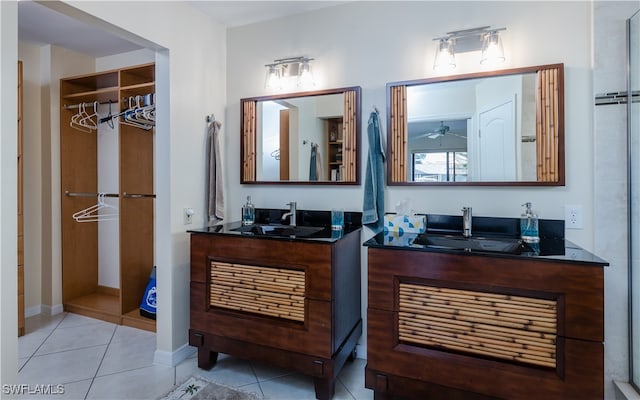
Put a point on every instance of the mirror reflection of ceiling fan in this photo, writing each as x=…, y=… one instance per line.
x=441, y=131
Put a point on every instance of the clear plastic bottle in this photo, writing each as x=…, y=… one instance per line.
x=529, y=225
x=248, y=213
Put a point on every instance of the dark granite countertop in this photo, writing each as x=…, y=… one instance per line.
x=552, y=246
x=321, y=220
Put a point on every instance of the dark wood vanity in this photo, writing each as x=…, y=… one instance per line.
x=291, y=302
x=471, y=325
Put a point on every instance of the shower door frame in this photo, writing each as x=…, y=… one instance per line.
x=633, y=138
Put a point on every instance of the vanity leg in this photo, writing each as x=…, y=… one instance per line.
x=381, y=396
x=206, y=358
x=325, y=387
x=352, y=354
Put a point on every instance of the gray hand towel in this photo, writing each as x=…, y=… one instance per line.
x=215, y=195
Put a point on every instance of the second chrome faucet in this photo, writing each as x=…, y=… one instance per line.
x=291, y=213
x=466, y=221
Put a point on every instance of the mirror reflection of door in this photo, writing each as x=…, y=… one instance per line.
x=497, y=143
x=284, y=145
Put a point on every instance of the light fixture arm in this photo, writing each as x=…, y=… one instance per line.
x=289, y=60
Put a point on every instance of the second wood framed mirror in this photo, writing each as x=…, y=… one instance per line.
x=498, y=128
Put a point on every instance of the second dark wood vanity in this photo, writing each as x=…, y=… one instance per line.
x=463, y=324
x=292, y=302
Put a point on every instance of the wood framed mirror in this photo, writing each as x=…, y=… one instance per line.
x=498, y=128
x=301, y=138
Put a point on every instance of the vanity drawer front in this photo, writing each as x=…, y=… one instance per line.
x=310, y=336
x=578, y=289
x=517, y=328
x=578, y=375
x=314, y=258
x=276, y=292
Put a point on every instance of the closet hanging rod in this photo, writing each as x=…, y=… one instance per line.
x=137, y=195
x=87, y=194
x=86, y=104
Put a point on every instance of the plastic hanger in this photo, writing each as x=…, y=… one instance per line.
x=76, y=120
x=101, y=211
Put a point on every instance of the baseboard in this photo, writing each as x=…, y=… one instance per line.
x=361, y=351
x=51, y=310
x=625, y=391
x=33, y=311
x=171, y=359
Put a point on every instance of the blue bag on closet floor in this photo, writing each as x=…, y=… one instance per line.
x=148, y=304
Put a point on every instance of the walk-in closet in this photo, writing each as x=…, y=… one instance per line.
x=107, y=124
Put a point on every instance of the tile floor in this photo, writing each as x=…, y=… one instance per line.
x=94, y=359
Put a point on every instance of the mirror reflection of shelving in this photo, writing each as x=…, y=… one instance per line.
x=335, y=148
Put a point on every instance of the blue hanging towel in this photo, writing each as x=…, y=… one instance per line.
x=373, y=202
x=148, y=304
x=313, y=166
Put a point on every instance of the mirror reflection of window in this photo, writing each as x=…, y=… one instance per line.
x=447, y=166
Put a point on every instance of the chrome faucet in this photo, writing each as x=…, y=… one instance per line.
x=291, y=213
x=466, y=221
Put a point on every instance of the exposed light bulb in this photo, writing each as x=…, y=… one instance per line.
x=273, y=79
x=445, y=58
x=492, y=50
x=305, y=78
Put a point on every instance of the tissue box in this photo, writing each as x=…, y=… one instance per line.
x=404, y=223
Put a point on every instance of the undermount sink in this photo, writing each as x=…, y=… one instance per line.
x=453, y=242
x=279, y=230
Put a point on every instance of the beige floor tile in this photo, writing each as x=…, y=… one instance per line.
x=62, y=367
x=138, y=384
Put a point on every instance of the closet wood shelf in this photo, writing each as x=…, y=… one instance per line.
x=139, y=89
x=101, y=95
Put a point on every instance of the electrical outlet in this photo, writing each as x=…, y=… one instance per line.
x=187, y=214
x=573, y=217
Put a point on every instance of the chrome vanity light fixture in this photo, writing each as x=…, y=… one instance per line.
x=285, y=70
x=483, y=38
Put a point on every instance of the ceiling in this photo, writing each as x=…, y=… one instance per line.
x=41, y=25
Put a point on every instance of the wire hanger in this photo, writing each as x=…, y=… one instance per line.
x=100, y=211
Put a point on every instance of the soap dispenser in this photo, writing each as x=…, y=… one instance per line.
x=248, y=213
x=529, y=225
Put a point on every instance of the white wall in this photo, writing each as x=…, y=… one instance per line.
x=8, y=198
x=32, y=176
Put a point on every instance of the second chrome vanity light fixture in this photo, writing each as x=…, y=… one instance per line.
x=292, y=68
x=483, y=38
